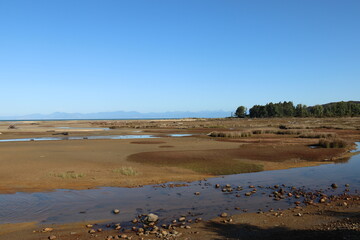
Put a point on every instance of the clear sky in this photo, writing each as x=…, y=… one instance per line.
x=175, y=55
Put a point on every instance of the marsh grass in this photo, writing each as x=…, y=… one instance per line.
x=333, y=143
x=127, y=171
x=230, y=134
x=318, y=135
x=68, y=175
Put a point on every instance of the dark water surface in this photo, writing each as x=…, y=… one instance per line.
x=170, y=202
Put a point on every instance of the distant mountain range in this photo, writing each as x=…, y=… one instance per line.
x=120, y=115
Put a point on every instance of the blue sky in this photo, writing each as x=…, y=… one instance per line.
x=174, y=55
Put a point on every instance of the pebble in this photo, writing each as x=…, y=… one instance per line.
x=89, y=226
x=135, y=220
x=224, y=215
x=197, y=193
x=151, y=217
x=47, y=229
x=182, y=219
x=116, y=211
x=52, y=237
x=334, y=185
x=91, y=231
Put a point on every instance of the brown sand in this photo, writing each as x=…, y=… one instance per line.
x=80, y=164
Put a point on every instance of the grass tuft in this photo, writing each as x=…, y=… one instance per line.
x=68, y=175
x=127, y=171
x=233, y=134
x=318, y=135
x=333, y=143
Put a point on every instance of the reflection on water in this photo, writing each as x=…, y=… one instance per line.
x=171, y=202
x=78, y=138
x=180, y=135
x=89, y=137
x=84, y=128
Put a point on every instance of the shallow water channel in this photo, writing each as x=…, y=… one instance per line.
x=171, y=202
x=89, y=137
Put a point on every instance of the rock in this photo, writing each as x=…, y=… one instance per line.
x=151, y=218
x=117, y=227
x=187, y=227
x=99, y=230
x=248, y=194
x=123, y=236
x=135, y=220
x=91, y=231
x=89, y=226
x=197, y=193
x=52, y=237
x=217, y=185
x=182, y=219
x=223, y=215
x=334, y=185
x=116, y=211
x=47, y=229
x=347, y=185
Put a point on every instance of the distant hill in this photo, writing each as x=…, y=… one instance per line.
x=120, y=115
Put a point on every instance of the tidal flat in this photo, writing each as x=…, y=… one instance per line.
x=171, y=168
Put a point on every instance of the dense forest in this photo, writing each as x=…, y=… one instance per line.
x=288, y=109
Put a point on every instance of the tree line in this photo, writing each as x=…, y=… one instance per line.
x=288, y=109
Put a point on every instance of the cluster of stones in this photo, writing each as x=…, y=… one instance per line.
x=282, y=192
x=147, y=225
